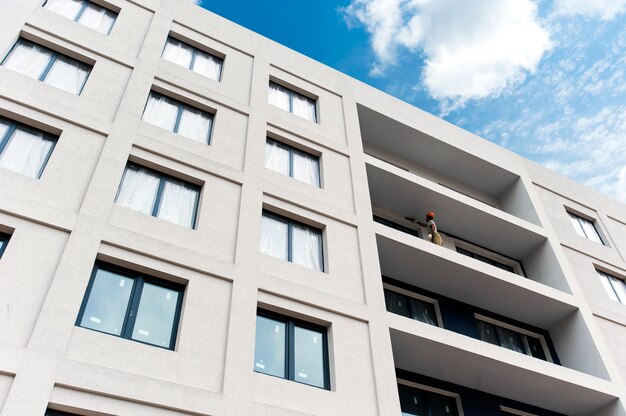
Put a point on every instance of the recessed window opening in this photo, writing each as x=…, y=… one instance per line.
x=585, y=228
x=24, y=149
x=292, y=162
x=294, y=102
x=614, y=286
x=198, y=61
x=507, y=337
x=416, y=401
x=412, y=306
x=84, y=12
x=48, y=66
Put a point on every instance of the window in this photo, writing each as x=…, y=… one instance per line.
x=132, y=306
x=487, y=260
x=45, y=65
x=178, y=118
x=615, y=287
x=585, y=228
x=292, y=241
x=395, y=226
x=4, y=240
x=292, y=101
x=84, y=12
x=23, y=149
x=291, y=349
x=511, y=339
x=292, y=162
x=411, y=307
x=419, y=402
x=159, y=195
x=192, y=58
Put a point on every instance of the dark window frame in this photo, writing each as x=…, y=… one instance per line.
x=182, y=106
x=139, y=279
x=50, y=64
x=524, y=337
x=293, y=150
x=54, y=412
x=290, y=325
x=194, y=53
x=80, y=13
x=4, y=238
x=395, y=290
x=163, y=177
x=8, y=135
x=429, y=394
x=291, y=93
x=290, y=222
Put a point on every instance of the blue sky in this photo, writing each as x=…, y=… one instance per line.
x=543, y=78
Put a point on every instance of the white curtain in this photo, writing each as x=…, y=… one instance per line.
x=306, y=168
x=208, y=65
x=620, y=288
x=138, y=190
x=161, y=112
x=306, y=247
x=590, y=230
x=28, y=59
x=26, y=153
x=67, y=8
x=195, y=125
x=177, y=52
x=178, y=203
x=274, y=237
x=67, y=74
x=97, y=18
x=606, y=282
x=278, y=96
x=276, y=157
x=303, y=107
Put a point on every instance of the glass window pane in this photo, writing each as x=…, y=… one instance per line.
x=620, y=288
x=303, y=106
x=278, y=96
x=4, y=128
x=195, y=124
x=138, y=189
x=26, y=152
x=177, y=52
x=511, y=340
x=396, y=303
x=590, y=231
x=423, y=311
x=67, y=74
x=440, y=405
x=306, y=247
x=67, y=8
x=606, y=282
x=108, y=301
x=28, y=59
x=412, y=402
x=309, y=357
x=178, y=204
x=274, y=237
x=155, y=315
x=306, y=168
x=161, y=111
x=579, y=229
x=536, y=349
x=98, y=18
x=207, y=65
x=277, y=157
x=487, y=332
x=269, y=349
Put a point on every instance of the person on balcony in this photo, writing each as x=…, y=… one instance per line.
x=433, y=235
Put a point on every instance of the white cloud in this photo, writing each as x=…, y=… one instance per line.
x=471, y=50
x=603, y=9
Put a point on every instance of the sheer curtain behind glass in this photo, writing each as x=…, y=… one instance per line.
x=277, y=157
x=178, y=203
x=138, y=190
x=178, y=52
x=67, y=74
x=97, y=18
x=274, y=237
x=307, y=247
x=195, y=124
x=67, y=8
x=208, y=65
x=278, y=96
x=28, y=59
x=26, y=152
x=303, y=106
x=306, y=168
x=160, y=111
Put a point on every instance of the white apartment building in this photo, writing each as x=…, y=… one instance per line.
x=195, y=220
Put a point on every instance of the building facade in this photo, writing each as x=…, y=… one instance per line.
x=195, y=220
